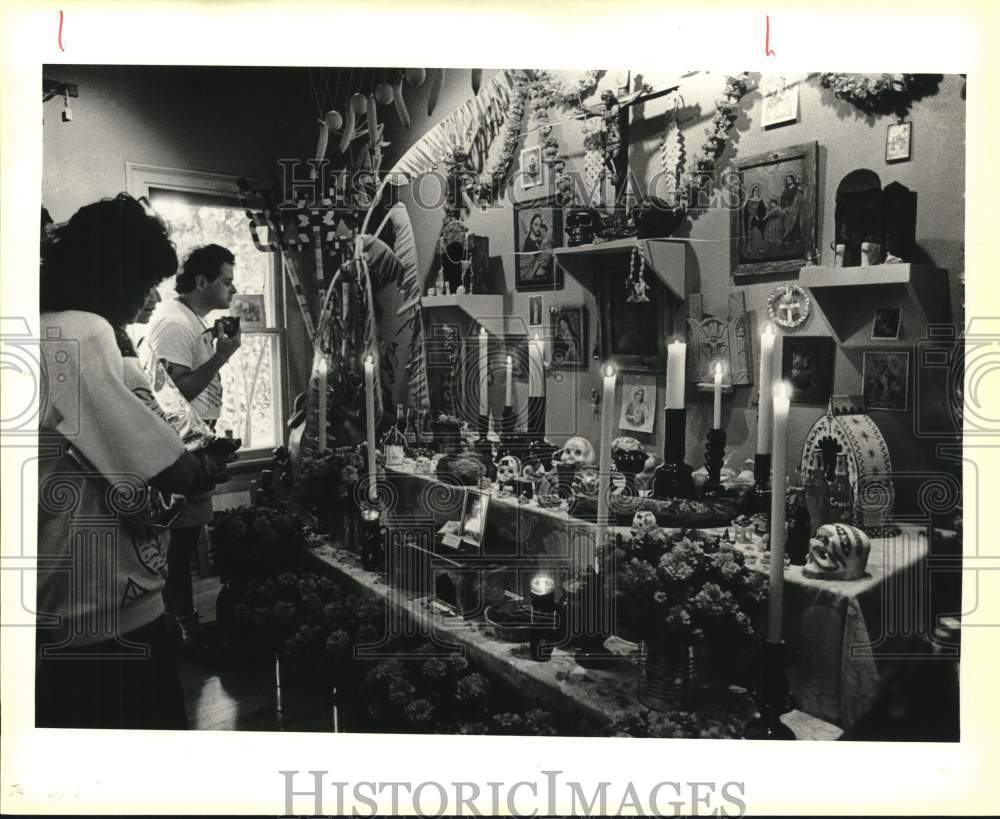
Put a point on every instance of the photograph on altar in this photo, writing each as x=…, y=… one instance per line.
x=302, y=480
x=638, y=405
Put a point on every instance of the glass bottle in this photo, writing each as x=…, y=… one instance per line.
x=410, y=432
x=426, y=431
x=800, y=526
x=840, y=500
x=816, y=490
x=394, y=441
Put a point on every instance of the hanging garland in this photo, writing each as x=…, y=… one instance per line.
x=491, y=181
x=543, y=93
x=882, y=95
x=672, y=160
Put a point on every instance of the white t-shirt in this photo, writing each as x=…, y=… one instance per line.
x=178, y=335
x=97, y=571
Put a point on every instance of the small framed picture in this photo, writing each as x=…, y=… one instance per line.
x=897, y=142
x=886, y=323
x=807, y=364
x=885, y=380
x=638, y=410
x=780, y=107
x=535, y=311
x=531, y=166
x=569, y=337
x=250, y=308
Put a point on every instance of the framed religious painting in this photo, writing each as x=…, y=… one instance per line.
x=773, y=211
x=568, y=332
x=807, y=365
x=538, y=229
x=885, y=380
x=632, y=333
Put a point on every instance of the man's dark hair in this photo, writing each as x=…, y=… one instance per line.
x=204, y=261
x=105, y=259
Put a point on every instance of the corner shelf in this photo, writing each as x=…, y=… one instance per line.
x=484, y=309
x=848, y=297
x=665, y=257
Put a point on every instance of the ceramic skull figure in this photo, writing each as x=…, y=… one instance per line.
x=643, y=522
x=837, y=552
x=508, y=468
x=578, y=452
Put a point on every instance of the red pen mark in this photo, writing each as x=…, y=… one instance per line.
x=60, y=31
x=768, y=51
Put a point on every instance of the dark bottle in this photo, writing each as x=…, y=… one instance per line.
x=394, y=441
x=841, y=500
x=799, y=527
x=410, y=432
x=426, y=432
x=816, y=490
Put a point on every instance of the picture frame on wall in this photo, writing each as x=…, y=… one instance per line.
x=773, y=221
x=780, y=106
x=887, y=323
x=538, y=230
x=531, y=166
x=638, y=404
x=568, y=332
x=250, y=309
x=885, y=380
x=632, y=333
x=897, y=141
x=807, y=364
x=535, y=311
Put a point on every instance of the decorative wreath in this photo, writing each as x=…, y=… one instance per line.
x=888, y=93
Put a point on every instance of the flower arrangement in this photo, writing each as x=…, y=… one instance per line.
x=257, y=540
x=881, y=95
x=329, y=476
x=543, y=94
x=685, y=589
x=726, y=721
x=487, y=188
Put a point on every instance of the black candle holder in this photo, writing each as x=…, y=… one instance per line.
x=484, y=446
x=370, y=538
x=758, y=499
x=772, y=695
x=536, y=448
x=715, y=450
x=673, y=478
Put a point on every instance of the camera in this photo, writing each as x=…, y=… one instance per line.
x=227, y=326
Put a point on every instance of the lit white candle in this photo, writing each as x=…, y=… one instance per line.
x=676, y=355
x=536, y=368
x=782, y=393
x=766, y=386
x=508, y=400
x=484, y=392
x=321, y=429
x=370, y=421
x=717, y=405
x=607, y=434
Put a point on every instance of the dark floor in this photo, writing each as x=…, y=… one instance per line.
x=244, y=698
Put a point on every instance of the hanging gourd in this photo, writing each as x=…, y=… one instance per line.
x=351, y=124
x=416, y=76
x=384, y=93
x=372, y=123
x=401, y=112
x=322, y=140
x=437, y=80
x=477, y=76
x=334, y=121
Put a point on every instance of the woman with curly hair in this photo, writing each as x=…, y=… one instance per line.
x=103, y=660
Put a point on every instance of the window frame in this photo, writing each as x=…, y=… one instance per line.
x=140, y=178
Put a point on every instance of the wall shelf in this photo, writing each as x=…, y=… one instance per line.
x=848, y=297
x=665, y=257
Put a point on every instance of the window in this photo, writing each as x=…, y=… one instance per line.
x=203, y=209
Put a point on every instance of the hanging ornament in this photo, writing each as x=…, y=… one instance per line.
x=359, y=104
x=672, y=159
x=401, y=111
x=416, y=76
x=636, y=286
x=384, y=93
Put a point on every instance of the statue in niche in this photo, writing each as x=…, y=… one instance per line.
x=867, y=213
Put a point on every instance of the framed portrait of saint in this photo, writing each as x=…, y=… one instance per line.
x=772, y=201
x=568, y=331
x=632, y=333
x=538, y=230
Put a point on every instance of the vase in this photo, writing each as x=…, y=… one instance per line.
x=666, y=678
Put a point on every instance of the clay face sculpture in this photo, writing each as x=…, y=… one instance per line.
x=837, y=552
x=508, y=468
x=578, y=452
x=643, y=522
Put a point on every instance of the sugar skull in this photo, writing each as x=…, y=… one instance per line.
x=644, y=522
x=577, y=451
x=423, y=464
x=585, y=483
x=837, y=552
x=508, y=468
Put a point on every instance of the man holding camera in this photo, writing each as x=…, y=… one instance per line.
x=194, y=353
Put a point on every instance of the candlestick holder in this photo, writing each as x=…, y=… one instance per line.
x=672, y=478
x=758, y=498
x=484, y=446
x=771, y=694
x=715, y=450
x=370, y=539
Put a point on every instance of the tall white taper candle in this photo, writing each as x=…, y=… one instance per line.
x=776, y=589
x=676, y=357
x=765, y=388
x=717, y=403
x=370, y=421
x=484, y=391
